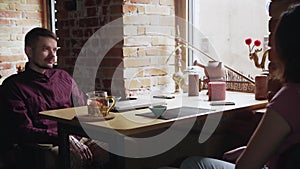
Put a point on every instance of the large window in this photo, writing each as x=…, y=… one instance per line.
x=219, y=28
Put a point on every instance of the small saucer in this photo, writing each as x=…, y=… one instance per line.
x=90, y=118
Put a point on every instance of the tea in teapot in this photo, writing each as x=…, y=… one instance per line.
x=98, y=103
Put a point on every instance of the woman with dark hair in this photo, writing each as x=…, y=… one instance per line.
x=279, y=129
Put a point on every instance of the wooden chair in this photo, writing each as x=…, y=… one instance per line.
x=7, y=151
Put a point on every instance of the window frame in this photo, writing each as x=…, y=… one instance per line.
x=48, y=19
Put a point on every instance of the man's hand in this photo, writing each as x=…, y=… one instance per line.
x=98, y=149
x=81, y=150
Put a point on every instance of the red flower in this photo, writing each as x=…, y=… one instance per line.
x=257, y=43
x=248, y=41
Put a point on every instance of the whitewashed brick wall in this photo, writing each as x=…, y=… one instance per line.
x=149, y=30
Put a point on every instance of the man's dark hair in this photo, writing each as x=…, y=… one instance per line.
x=31, y=38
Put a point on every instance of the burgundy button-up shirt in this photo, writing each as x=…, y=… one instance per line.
x=25, y=94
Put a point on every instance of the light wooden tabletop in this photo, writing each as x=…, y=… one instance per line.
x=129, y=122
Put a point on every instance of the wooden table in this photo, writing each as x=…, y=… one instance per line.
x=126, y=124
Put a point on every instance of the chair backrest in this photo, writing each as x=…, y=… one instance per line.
x=2, y=127
x=5, y=144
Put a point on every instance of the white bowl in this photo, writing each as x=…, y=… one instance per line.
x=117, y=98
x=158, y=110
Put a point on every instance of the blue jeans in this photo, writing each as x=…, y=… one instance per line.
x=206, y=163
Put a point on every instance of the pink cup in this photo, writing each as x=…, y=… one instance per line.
x=216, y=91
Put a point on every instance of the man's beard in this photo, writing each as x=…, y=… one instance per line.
x=43, y=66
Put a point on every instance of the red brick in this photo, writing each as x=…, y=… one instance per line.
x=5, y=22
x=129, y=9
x=71, y=22
x=107, y=2
x=12, y=58
x=92, y=21
x=61, y=14
x=10, y=14
x=110, y=62
x=63, y=52
x=61, y=42
x=77, y=33
x=88, y=32
x=75, y=52
x=104, y=10
x=91, y=11
x=6, y=65
x=89, y=2
x=115, y=52
x=106, y=72
x=107, y=84
x=63, y=32
x=88, y=22
x=70, y=61
x=59, y=24
x=116, y=9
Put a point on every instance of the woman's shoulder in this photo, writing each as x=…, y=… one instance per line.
x=286, y=103
x=286, y=99
x=288, y=92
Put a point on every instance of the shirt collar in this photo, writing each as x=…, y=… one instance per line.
x=32, y=73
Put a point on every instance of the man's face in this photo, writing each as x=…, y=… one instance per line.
x=42, y=56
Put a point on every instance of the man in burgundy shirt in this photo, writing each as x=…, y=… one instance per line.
x=40, y=88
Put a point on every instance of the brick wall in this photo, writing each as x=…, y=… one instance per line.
x=149, y=30
x=77, y=22
x=146, y=45
x=139, y=58
x=16, y=18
